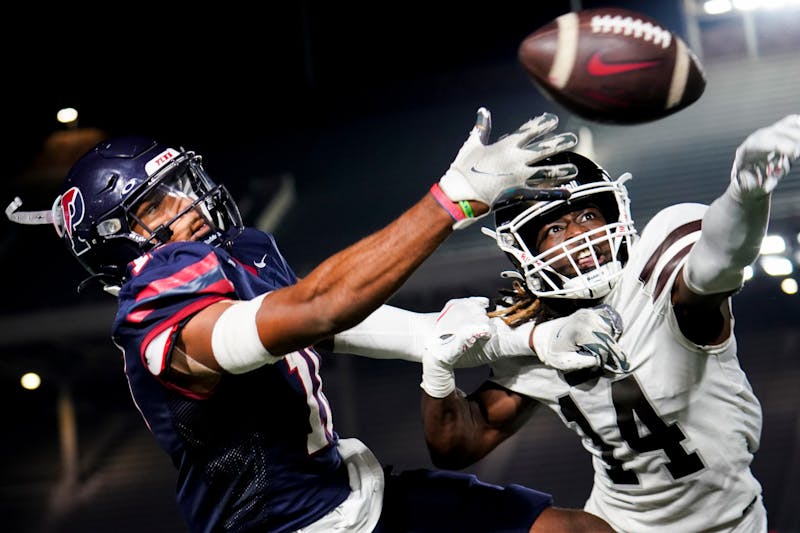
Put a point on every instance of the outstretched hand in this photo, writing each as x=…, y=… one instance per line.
x=766, y=156
x=486, y=172
x=461, y=326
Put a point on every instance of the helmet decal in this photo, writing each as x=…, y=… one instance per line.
x=73, y=210
x=155, y=164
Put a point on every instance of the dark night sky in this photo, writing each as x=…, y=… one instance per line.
x=215, y=77
x=218, y=80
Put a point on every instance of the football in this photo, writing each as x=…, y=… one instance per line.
x=612, y=65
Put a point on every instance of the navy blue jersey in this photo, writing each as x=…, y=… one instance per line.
x=260, y=449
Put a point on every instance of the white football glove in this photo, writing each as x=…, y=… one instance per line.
x=766, y=156
x=458, y=328
x=461, y=325
x=483, y=172
x=585, y=339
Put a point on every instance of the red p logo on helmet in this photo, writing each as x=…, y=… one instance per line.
x=72, y=211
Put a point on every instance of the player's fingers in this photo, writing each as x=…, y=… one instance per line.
x=611, y=317
x=480, y=301
x=537, y=126
x=483, y=125
x=549, y=146
x=577, y=360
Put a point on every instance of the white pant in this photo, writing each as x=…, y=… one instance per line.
x=360, y=512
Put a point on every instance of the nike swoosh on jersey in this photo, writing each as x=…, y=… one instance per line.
x=598, y=67
x=262, y=263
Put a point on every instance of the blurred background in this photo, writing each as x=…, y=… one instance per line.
x=326, y=122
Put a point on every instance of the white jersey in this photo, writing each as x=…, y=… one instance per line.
x=672, y=439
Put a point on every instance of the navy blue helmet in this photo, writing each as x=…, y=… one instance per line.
x=96, y=210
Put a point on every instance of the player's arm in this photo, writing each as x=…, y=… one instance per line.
x=388, y=333
x=336, y=295
x=343, y=290
x=460, y=430
x=732, y=230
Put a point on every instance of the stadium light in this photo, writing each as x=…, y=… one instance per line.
x=746, y=5
x=717, y=7
x=773, y=244
x=776, y=266
x=67, y=115
x=30, y=381
x=778, y=4
x=720, y=7
x=789, y=286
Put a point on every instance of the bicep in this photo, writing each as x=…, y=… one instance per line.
x=194, y=338
x=704, y=319
x=285, y=321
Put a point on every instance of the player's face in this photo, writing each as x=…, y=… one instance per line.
x=161, y=207
x=570, y=225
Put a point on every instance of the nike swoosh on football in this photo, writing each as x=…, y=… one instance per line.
x=598, y=67
x=478, y=171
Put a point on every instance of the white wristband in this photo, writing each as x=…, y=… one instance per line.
x=437, y=380
x=234, y=339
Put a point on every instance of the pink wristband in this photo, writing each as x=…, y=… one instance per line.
x=447, y=204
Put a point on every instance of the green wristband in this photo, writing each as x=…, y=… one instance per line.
x=466, y=208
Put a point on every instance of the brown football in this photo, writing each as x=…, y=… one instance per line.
x=612, y=65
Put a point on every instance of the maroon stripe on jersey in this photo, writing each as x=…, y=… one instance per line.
x=669, y=268
x=192, y=272
x=141, y=311
x=249, y=268
x=677, y=233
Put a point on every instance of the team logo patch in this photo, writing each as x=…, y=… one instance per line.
x=73, y=210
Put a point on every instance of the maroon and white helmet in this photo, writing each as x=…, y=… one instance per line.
x=517, y=226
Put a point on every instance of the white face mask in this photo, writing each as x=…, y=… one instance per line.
x=589, y=272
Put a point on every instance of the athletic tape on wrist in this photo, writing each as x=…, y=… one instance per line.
x=447, y=204
x=234, y=338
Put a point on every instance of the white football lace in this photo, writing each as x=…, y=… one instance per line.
x=630, y=26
